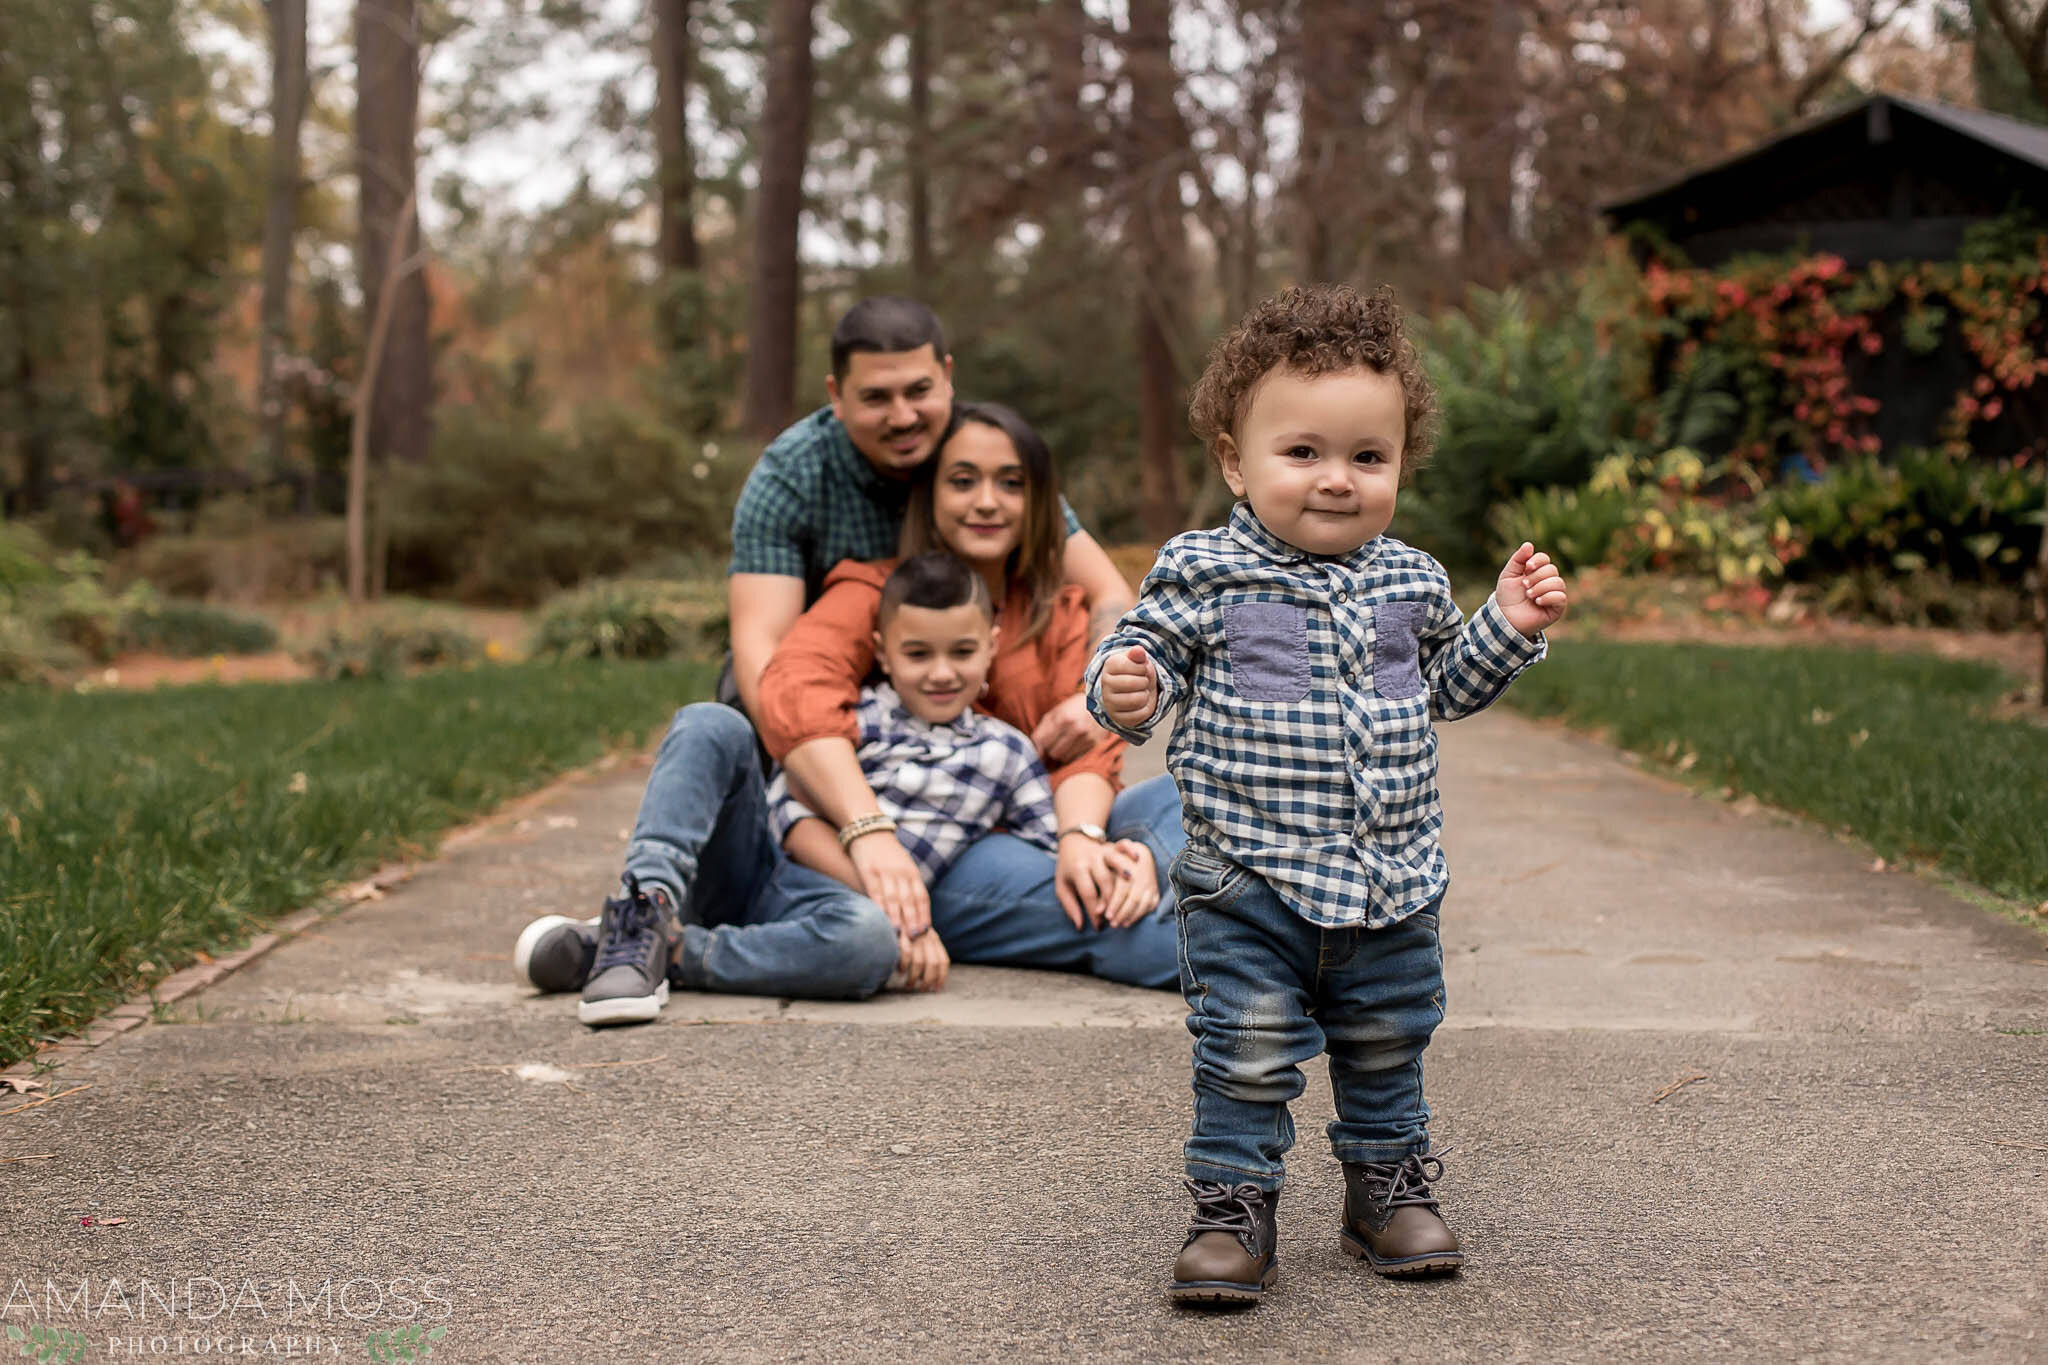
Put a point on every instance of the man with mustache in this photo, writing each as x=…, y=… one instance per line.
x=833, y=486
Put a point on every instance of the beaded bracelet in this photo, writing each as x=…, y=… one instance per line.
x=865, y=824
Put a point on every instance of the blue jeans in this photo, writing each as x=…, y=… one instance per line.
x=1267, y=990
x=998, y=904
x=754, y=923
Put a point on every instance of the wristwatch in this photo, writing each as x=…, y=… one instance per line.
x=1095, y=832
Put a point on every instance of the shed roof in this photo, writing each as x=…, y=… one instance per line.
x=2023, y=141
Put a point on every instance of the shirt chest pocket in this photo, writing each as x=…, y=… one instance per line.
x=1268, y=646
x=1396, y=648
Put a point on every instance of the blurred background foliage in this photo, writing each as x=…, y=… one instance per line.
x=1086, y=191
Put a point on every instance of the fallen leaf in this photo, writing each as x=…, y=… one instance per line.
x=561, y=822
x=92, y=1222
x=297, y=786
x=1877, y=865
x=20, y=1085
x=1685, y=765
x=1821, y=717
x=1859, y=739
x=901, y=1148
x=359, y=892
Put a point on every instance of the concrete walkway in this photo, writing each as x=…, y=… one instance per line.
x=1716, y=1091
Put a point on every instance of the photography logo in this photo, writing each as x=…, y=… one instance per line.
x=47, y=1344
x=403, y=1343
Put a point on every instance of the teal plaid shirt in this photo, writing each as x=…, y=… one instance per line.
x=814, y=500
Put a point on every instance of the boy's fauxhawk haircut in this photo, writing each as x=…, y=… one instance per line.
x=1315, y=330
x=885, y=323
x=938, y=581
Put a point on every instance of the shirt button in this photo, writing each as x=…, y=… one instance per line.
x=1343, y=596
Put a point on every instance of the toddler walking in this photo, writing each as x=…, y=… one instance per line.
x=1308, y=653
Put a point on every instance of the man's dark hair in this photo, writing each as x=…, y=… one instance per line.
x=887, y=323
x=936, y=581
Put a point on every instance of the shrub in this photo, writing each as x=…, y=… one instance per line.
x=1576, y=526
x=507, y=511
x=194, y=630
x=25, y=559
x=28, y=656
x=1534, y=391
x=1796, y=340
x=630, y=620
x=80, y=611
x=284, y=559
x=1971, y=520
x=1930, y=597
x=1637, y=514
x=391, y=650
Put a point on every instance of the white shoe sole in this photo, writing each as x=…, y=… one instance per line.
x=529, y=939
x=626, y=1009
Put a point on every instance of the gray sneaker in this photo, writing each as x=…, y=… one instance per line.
x=554, y=953
x=629, y=977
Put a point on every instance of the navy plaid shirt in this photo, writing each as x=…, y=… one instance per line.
x=944, y=785
x=813, y=500
x=1304, y=749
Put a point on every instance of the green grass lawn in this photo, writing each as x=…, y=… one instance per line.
x=139, y=829
x=1900, y=750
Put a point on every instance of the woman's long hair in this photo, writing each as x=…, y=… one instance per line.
x=1037, y=566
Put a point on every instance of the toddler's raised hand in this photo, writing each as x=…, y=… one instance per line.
x=1531, y=591
x=1130, y=689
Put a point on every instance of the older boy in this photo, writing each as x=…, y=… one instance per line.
x=722, y=890
x=1307, y=652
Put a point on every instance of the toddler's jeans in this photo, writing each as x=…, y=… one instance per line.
x=1267, y=990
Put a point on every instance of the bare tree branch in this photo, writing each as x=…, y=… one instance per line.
x=1825, y=72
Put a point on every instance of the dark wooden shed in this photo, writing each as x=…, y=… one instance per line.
x=1887, y=178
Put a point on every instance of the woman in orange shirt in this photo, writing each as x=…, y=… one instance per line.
x=991, y=496
x=710, y=902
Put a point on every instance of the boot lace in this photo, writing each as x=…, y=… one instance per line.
x=1233, y=1209
x=1397, y=1184
x=628, y=923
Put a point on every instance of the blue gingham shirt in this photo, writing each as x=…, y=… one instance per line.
x=812, y=500
x=1307, y=685
x=944, y=785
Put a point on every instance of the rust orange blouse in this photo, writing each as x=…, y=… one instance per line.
x=812, y=683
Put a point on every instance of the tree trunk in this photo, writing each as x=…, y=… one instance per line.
x=778, y=209
x=1332, y=49
x=1159, y=241
x=20, y=160
x=387, y=107
x=366, y=579
x=280, y=219
x=2041, y=589
x=920, y=166
x=673, y=59
x=1487, y=142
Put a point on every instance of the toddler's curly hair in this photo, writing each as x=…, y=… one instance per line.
x=1313, y=330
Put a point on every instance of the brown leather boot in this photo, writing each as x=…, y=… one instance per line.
x=1391, y=1220
x=1229, y=1255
